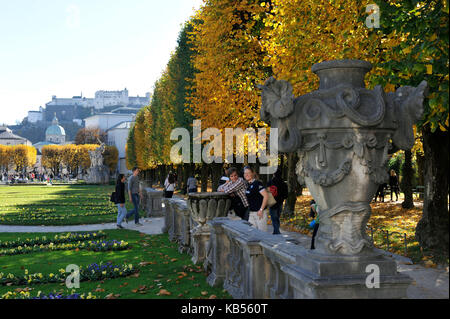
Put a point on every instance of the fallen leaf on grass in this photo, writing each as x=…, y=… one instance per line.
x=112, y=296
x=212, y=297
x=99, y=290
x=204, y=293
x=164, y=292
x=123, y=285
x=135, y=275
x=145, y=263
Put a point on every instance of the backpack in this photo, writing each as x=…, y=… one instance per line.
x=112, y=198
x=274, y=190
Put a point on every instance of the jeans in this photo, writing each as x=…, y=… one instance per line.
x=275, y=213
x=122, y=212
x=135, y=210
x=316, y=228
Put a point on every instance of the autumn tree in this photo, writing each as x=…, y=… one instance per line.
x=52, y=157
x=90, y=135
x=111, y=158
x=23, y=157
x=422, y=54
x=6, y=157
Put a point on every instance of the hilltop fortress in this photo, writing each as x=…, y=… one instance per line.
x=71, y=112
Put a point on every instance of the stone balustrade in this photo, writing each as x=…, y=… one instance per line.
x=151, y=201
x=252, y=264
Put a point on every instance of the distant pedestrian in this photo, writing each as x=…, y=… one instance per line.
x=120, y=200
x=279, y=190
x=135, y=195
x=169, y=185
x=191, y=185
x=393, y=184
x=257, y=197
x=236, y=188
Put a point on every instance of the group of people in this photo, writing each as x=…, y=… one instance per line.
x=393, y=186
x=134, y=194
x=250, y=197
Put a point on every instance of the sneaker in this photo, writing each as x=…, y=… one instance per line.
x=120, y=226
x=138, y=224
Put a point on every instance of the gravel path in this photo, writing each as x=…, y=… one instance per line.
x=151, y=226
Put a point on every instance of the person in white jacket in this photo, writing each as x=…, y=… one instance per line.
x=169, y=185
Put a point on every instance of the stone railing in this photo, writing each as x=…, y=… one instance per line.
x=252, y=264
x=151, y=201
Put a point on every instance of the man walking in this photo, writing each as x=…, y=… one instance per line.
x=135, y=195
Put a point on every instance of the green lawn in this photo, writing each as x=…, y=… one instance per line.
x=162, y=271
x=56, y=205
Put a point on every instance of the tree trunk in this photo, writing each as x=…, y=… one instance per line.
x=406, y=184
x=293, y=186
x=204, y=177
x=432, y=231
x=216, y=173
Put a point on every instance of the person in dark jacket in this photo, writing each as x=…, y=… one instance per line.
x=120, y=200
x=279, y=190
x=393, y=184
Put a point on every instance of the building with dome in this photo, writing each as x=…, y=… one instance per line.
x=55, y=133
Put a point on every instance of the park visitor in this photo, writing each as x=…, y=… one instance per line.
x=393, y=184
x=279, y=190
x=135, y=194
x=236, y=187
x=191, y=185
x=120, y=200
x=225, y=177
x=257, y=197
x=169, y=185
x=314, y=213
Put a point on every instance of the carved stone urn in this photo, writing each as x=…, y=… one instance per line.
x=342, y=133
x=203, y=208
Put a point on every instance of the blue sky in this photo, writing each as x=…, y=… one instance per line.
x=65, y=47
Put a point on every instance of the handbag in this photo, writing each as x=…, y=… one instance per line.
x=272, y=201
x=112, y=198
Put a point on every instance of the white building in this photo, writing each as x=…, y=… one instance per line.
x=36, y=116
x=103, y=99
x=117, y=136
x=105, y=121
x=8, y=138
x=55, y=133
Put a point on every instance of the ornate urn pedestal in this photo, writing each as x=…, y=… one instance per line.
x=342, y=133
x=203, y=208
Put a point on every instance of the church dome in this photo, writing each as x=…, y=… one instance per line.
x=55, y=129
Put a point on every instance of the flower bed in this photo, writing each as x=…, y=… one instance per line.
x=61, y=238
x=28, y=295
x=109, y=245
x=92, y=272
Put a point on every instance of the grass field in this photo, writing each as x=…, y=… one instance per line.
x=56, y=205
x=162, y=271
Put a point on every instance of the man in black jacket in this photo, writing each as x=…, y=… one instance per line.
x=279, y=190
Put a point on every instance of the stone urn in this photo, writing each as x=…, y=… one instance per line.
x=342, y=133
x=203, y=208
